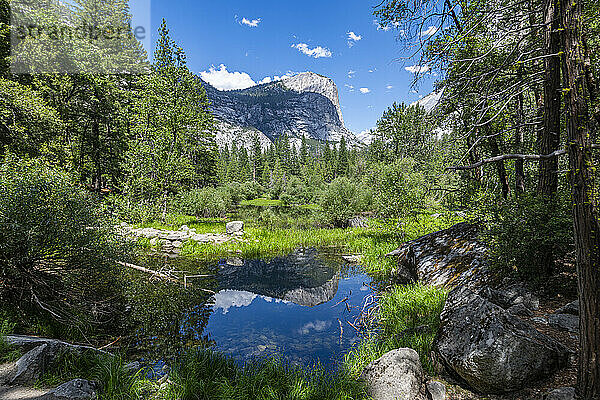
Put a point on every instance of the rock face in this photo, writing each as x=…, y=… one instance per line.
x=451, y=257
x=33, y=363
x=491, y=349
x=77, y=389
x=564, y=393
x=565, y=322
x=305, y=105
x=395, y=375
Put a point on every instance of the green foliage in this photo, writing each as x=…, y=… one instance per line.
x=526, y=235
x=206, y=203
x=203, y=374
x=405, y=131
x=409, y=317
x=56, y=253
x=342, y=199
x=399, y=189
x=7, y=352
x=174, y=147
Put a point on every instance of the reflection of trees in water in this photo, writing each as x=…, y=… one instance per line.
x=165, y=317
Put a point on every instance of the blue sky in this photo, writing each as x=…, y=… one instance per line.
x=257, y=39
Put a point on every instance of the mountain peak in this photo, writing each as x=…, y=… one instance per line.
x=315, y=83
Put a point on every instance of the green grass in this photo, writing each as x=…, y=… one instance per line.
x=203, y=374
x=8, y=353
x=408, y=316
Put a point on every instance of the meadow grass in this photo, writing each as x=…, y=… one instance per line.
x=407, y=317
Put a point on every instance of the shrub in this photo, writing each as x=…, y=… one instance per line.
x=57, y=254
x=527, y=234
x=341, y=200
x=207, y=203
x=399, y=190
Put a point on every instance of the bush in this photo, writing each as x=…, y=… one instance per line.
x=527, y=234
x=296, y=192
x=125, y=208
x=341, y=200
x=57, y=254
x=399, y=189
x=207, y=203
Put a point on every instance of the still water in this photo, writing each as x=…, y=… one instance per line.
x=297, y=306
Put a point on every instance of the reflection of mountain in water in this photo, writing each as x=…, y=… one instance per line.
x=302, y=278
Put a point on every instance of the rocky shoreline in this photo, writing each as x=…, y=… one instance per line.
x=171, y=242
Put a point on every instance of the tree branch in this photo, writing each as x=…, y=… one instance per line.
x=525, y=157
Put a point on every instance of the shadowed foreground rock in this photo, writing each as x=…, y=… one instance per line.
x=490, y=349
x=77, y=389
x=395, y=375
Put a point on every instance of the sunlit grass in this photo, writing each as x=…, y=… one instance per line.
x=408, y=317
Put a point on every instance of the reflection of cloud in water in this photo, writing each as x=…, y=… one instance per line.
x=233, y=298
x=364, y=288
x=317, y=326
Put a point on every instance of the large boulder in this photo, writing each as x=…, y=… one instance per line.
x=564, y=322
x=77, y=389
x=395, y=375
x=234, y=227
x=491, y=349
x=451, y=257
x=34, y=363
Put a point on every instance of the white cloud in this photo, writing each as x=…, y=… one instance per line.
x=389, y=87
x=226, y=299
x=350, y=87
x=317, y=326
x=225, y=80
x=251, y=23
x=429, y=31
x=365, y=90
x=351, y=74
x=266, y=79
x=417, y=69
x=317, y=52
x=353, y=36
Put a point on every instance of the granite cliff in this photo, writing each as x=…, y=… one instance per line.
x=305, y=105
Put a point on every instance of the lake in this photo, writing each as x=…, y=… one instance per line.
x=297, y=306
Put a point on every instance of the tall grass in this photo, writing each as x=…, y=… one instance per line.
x=408, y=316
x=203, y=374
x=8, y=352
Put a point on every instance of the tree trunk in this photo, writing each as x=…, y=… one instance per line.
x=519, y=164
x=550, y=137
x=500, y=168
x=585, y=215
